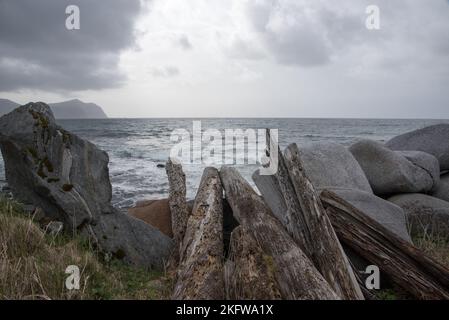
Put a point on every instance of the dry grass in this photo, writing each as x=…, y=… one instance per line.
x=435, y=247
x=33, y=264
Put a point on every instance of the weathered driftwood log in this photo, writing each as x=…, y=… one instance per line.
x=327, y=252
x=200, y=273
x=249, y=273
x=408, y=267
x=295, y=274
x=179, y=209
x=292, y=198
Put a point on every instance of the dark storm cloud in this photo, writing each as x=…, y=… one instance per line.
x=38, y=52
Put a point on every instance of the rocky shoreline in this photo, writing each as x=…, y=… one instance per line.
x=402, y=185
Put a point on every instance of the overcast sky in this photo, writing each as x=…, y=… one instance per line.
x=233, y=58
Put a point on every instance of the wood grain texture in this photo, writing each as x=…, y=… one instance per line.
x=295, y=274
x=407, y=266
x=249, y=273
x=179, y=209
x=200, y=271
x=323, y=245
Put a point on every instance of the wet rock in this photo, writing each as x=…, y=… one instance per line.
x=68, y=178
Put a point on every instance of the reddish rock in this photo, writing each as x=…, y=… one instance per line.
x=154, y=212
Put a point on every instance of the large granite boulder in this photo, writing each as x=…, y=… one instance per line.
x=331, y=165
x=387, y=214
x=68, y=178
x=391, y=172
x=433, y=140
x=442, y=191
x=426, y=215
x=426, y=162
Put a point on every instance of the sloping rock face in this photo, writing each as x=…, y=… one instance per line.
x=154, y=212
x=425, y=214
x=426, y=162
x=390, y=172
x=442, y=191
x=331, y=165
x=386, y=213
x=433, y=140
x=68, y=178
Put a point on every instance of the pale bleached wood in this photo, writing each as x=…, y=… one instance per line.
x=322, y=243
x=179, y=209
x=407, y=266
x=295, y=274
x=200, y=272
x=249, y=273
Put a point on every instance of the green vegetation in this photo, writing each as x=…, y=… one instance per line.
x=33, y=264
x=437, y=248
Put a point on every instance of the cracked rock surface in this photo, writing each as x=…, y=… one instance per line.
x=68, y=178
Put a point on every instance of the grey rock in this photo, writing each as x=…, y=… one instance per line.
x=390, y=172
x=387, y=214
x=426, y=162
x=425, y=214
x=331, y=165
x=442, y=191
x=433, y=140
x=68, y=178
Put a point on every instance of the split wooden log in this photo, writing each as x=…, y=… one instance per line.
x=327, y=252
x=249, y=273
x=200, y=273
x=179, y=209
x=293, y=198
x=295, y=274
x=408, y=267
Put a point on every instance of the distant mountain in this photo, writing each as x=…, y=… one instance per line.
x=6, y=106
x=76, y=109
x=72, y=109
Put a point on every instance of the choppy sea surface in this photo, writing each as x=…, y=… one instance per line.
x=137, y=146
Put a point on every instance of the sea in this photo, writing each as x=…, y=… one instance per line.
x=139, y=148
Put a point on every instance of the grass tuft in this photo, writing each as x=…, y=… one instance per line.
x=33, y=264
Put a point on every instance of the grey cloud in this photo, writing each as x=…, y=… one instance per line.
x=38, y=52
x=165, y=72
x=184, y=42
x=241, y=49
x=300, y=45
x=312, y=33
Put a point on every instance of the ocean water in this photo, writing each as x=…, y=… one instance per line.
x=137, y=146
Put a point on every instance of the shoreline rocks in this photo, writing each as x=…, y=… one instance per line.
x=426, y=215
x=391, y=172
x=155, y=213
x=433, y=140
x=331, y=165
x=386, y=213
x=442, y=191
x=68, y=178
